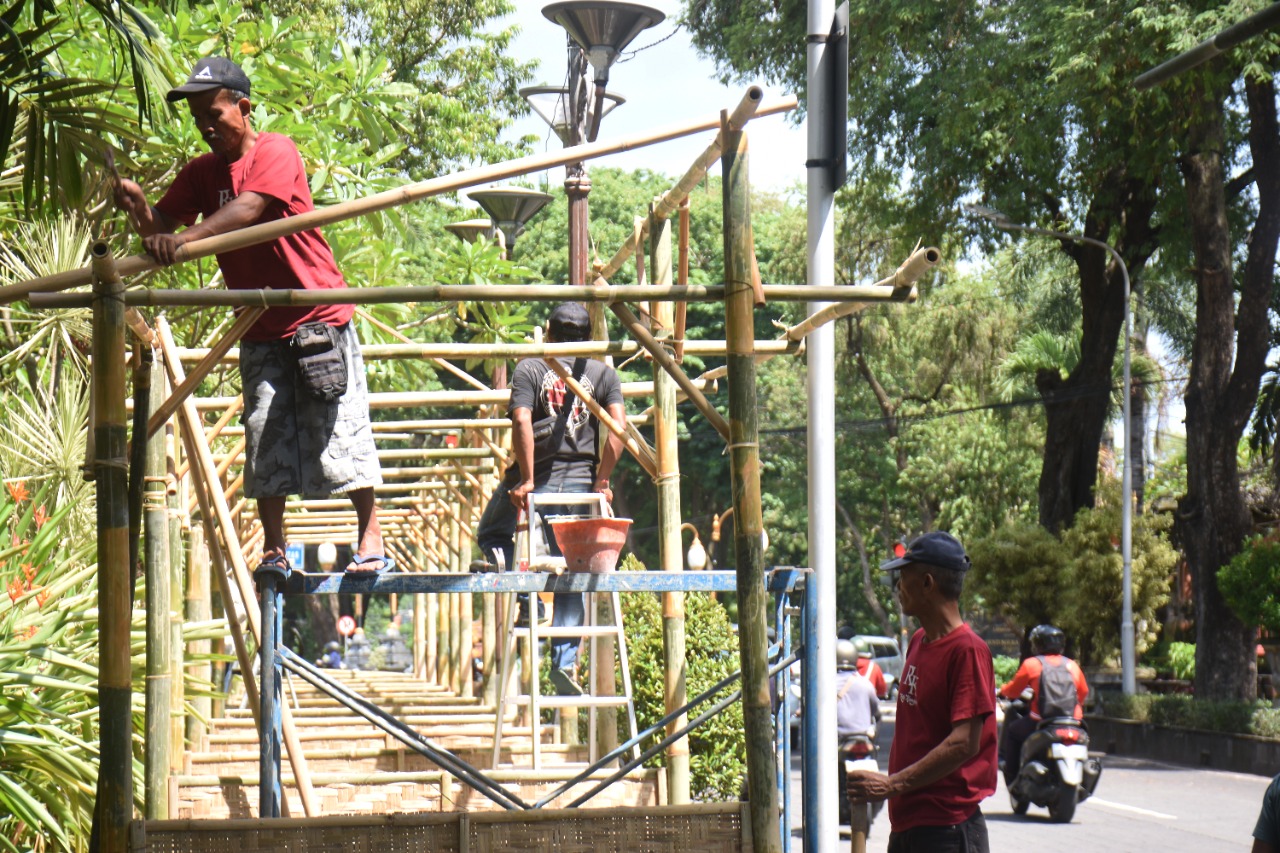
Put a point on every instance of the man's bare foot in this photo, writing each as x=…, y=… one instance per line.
x=370, y=564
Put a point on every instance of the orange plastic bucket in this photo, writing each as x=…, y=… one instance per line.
x=590, y=544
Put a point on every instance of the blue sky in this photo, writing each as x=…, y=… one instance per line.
x=664, y=85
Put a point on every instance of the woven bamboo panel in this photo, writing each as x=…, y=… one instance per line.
x=674, y=829
x=436, y=833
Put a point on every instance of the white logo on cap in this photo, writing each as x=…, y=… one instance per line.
x=204, y=74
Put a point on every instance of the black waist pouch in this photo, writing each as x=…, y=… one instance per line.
x=321, y=359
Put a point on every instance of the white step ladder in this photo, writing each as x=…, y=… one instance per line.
x=533, y=555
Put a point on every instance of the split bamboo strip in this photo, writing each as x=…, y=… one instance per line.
x=113, y=805
x=191, y=423
x=438, y=361
x=901, y=282
x=748, y=525
x=641, y=451
x=660, y=355
x=682, y=278
x=242, y=324
x=393, y=198
x=212, y=433
x=198, y=598
x=590, y=294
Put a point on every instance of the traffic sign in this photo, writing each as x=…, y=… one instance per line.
x=346, y=626
x=295, y=555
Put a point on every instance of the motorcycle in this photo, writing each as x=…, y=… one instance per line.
x=857, y=752
x=1055, y=770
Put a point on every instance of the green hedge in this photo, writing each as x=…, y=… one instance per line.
x=1249, y=718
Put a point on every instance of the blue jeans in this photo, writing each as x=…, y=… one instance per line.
x=496, y=538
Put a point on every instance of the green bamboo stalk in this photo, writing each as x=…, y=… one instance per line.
x=177, y=601
x=669, y=546
x=748, y=527
x=198, y=609
x=156, y=748
x=113, y=807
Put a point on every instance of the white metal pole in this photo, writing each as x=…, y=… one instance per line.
x=821, y=806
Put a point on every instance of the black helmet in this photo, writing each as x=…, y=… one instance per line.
x=846, y=655
x=1048, y=640
x=332, y=646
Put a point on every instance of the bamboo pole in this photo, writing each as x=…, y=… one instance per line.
x=665, y=440
x=113, y=806
x=156, y=752
x=748, y=526
x=442, y=350
x=242, y=324
x=660, y=355
x=634, y=445
x=198, y=449
x=590, y=294
x=198, y=610
x=177, y=519
x=901, y=282
x=320, y=217
x=682, y=278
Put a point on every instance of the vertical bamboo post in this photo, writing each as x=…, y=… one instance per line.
x=748, y=527
x=467, y=606
x=177, y=597
x=156, y=749
x=455, y=607
x=670, y=558
x=113, y=806
x=198, y=609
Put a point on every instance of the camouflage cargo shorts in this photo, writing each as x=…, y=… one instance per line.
x=295, y=444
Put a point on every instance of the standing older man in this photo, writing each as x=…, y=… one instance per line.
x=943, y=760
x=306, y=409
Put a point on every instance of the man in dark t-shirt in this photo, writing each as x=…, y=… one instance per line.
x=565, y=457
x=943, y=760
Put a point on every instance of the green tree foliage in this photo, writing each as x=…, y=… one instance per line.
x=1029, y=576
x=718, y=757
x=1250, y=583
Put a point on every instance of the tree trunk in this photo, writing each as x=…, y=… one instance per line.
x=1213, y=519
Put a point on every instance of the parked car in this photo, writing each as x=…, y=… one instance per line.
x=885, y=652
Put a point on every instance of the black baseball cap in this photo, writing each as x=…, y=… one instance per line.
x=935, y=549
x=212, y=72
x=570, y=322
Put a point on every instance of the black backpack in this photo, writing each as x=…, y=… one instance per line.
x=1057, y=696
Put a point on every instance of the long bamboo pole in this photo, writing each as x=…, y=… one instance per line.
x=662, y=357
x=159, y=674
x=594, y=293
x=113, y=806
x=407, y=342
x=635, y=446
x=198, y=595
x=748, y=526
x=589, y=349
x=665, y=440
x=403, y=195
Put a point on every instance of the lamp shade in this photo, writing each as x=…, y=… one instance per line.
x=552, y=103
x=602, y=29
x=470, y=230
x=510, y=207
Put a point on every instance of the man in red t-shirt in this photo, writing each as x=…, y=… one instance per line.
x=298, y=441
x=942, y=763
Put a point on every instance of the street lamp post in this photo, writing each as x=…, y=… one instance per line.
x=696, y=556
x=1129, y=682
x=598, y=32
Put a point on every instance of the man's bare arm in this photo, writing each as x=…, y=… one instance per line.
x=522, y=448
x=962, y=744
x=612, y=451
x=242, y=211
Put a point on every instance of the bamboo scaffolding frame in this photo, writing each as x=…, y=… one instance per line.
x=198, y=450
x=403, y=195
x=212, y=433
x=636, y=446
x=662, y=357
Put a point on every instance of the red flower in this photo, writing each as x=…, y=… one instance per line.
x=28, y=572
x=42, y=596
x=31, y=632
x=41, y=516
x=18, y=490
x=15, y=590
